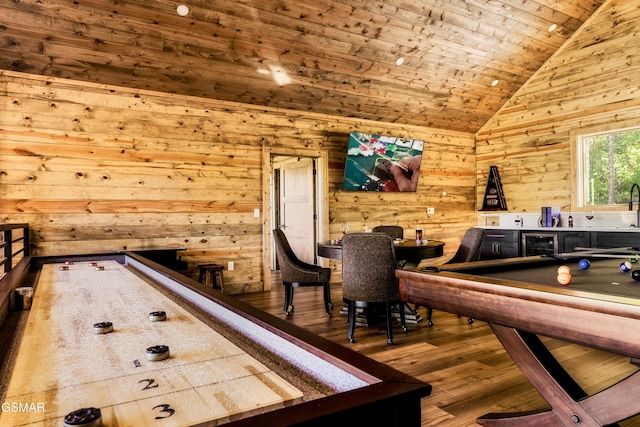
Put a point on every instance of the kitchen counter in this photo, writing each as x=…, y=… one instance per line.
x=553, y=229
x=614, y=221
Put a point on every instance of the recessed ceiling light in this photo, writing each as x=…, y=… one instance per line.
x=182, y=10
x=552, y=27
x=399, y=61
x=495, y=82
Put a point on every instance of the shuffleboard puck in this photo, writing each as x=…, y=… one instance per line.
x=157, y=352
x=68, y=262
x=85, y=417
x=158, y=316
x=63, y=267
x=93, y=264
x=99, y=267
x=103, y=328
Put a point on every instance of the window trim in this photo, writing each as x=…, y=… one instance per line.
x=577, y=162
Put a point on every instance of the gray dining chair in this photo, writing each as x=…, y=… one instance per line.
x=368, y=277
x=296, y=273
x=394, y=231
x=469, y=251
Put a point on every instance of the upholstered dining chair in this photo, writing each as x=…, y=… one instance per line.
x=368, y=277
x=469, y=251
x=394, y=231
x=296, y=273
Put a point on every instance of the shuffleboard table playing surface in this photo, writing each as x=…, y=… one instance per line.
x=65, y=365
x=302, y=378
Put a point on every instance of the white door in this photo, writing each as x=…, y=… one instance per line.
x=297, y=206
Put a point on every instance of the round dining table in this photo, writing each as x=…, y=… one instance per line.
x=408, y=251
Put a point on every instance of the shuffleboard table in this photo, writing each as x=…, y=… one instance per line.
x=521, y=300
x=94, y=339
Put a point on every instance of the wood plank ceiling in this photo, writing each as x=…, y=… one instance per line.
x=335, y=57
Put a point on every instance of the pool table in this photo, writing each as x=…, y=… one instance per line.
x=520, y=298
x=338, y=385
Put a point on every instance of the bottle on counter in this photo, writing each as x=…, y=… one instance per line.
x=570, y=221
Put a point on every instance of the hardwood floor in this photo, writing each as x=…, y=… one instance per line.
x=469, y=370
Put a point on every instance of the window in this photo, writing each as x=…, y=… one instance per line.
x=608, y=164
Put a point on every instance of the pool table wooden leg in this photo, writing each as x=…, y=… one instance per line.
x=571, y=405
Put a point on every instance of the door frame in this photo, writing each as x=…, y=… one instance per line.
x=322, y=201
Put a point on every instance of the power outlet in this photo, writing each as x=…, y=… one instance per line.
x=230, y=266
x=431, y=211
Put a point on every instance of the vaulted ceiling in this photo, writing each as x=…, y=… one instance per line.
x=337, y=57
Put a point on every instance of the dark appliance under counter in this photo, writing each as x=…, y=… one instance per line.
x=539, y=243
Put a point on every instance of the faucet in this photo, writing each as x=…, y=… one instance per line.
x=636, y=186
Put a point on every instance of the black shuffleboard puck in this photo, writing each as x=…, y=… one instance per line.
x=85, y=417
x=158, y=316
x=102, y=328
x=157, y=352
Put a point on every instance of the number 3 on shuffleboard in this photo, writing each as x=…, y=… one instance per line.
x=164, y=408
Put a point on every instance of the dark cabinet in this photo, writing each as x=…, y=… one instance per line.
x=612, y=239
x=500, y=244
x=568, y=241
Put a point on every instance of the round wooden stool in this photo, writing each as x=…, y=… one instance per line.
x=209, y=274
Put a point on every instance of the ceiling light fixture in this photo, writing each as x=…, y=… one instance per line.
x=182, y=10
x=552, y=27
x=399, y=61
x=495, y=82
x=280, y=75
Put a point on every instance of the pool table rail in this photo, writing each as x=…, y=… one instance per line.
x=518, y=312
x=610, y=323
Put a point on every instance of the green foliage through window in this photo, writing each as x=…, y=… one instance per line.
x=611, y=165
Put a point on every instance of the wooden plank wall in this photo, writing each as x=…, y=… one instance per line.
x=97, y=168
x=592, y=81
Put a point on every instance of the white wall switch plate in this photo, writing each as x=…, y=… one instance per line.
x=230, y=266
x=256, y=213
x=431, y=211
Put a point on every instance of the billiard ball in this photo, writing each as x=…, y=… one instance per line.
x=634, y=258
x=625, y=266
x=584, y=264
x=564, y=269
x=635, y=275
x=564, y=278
